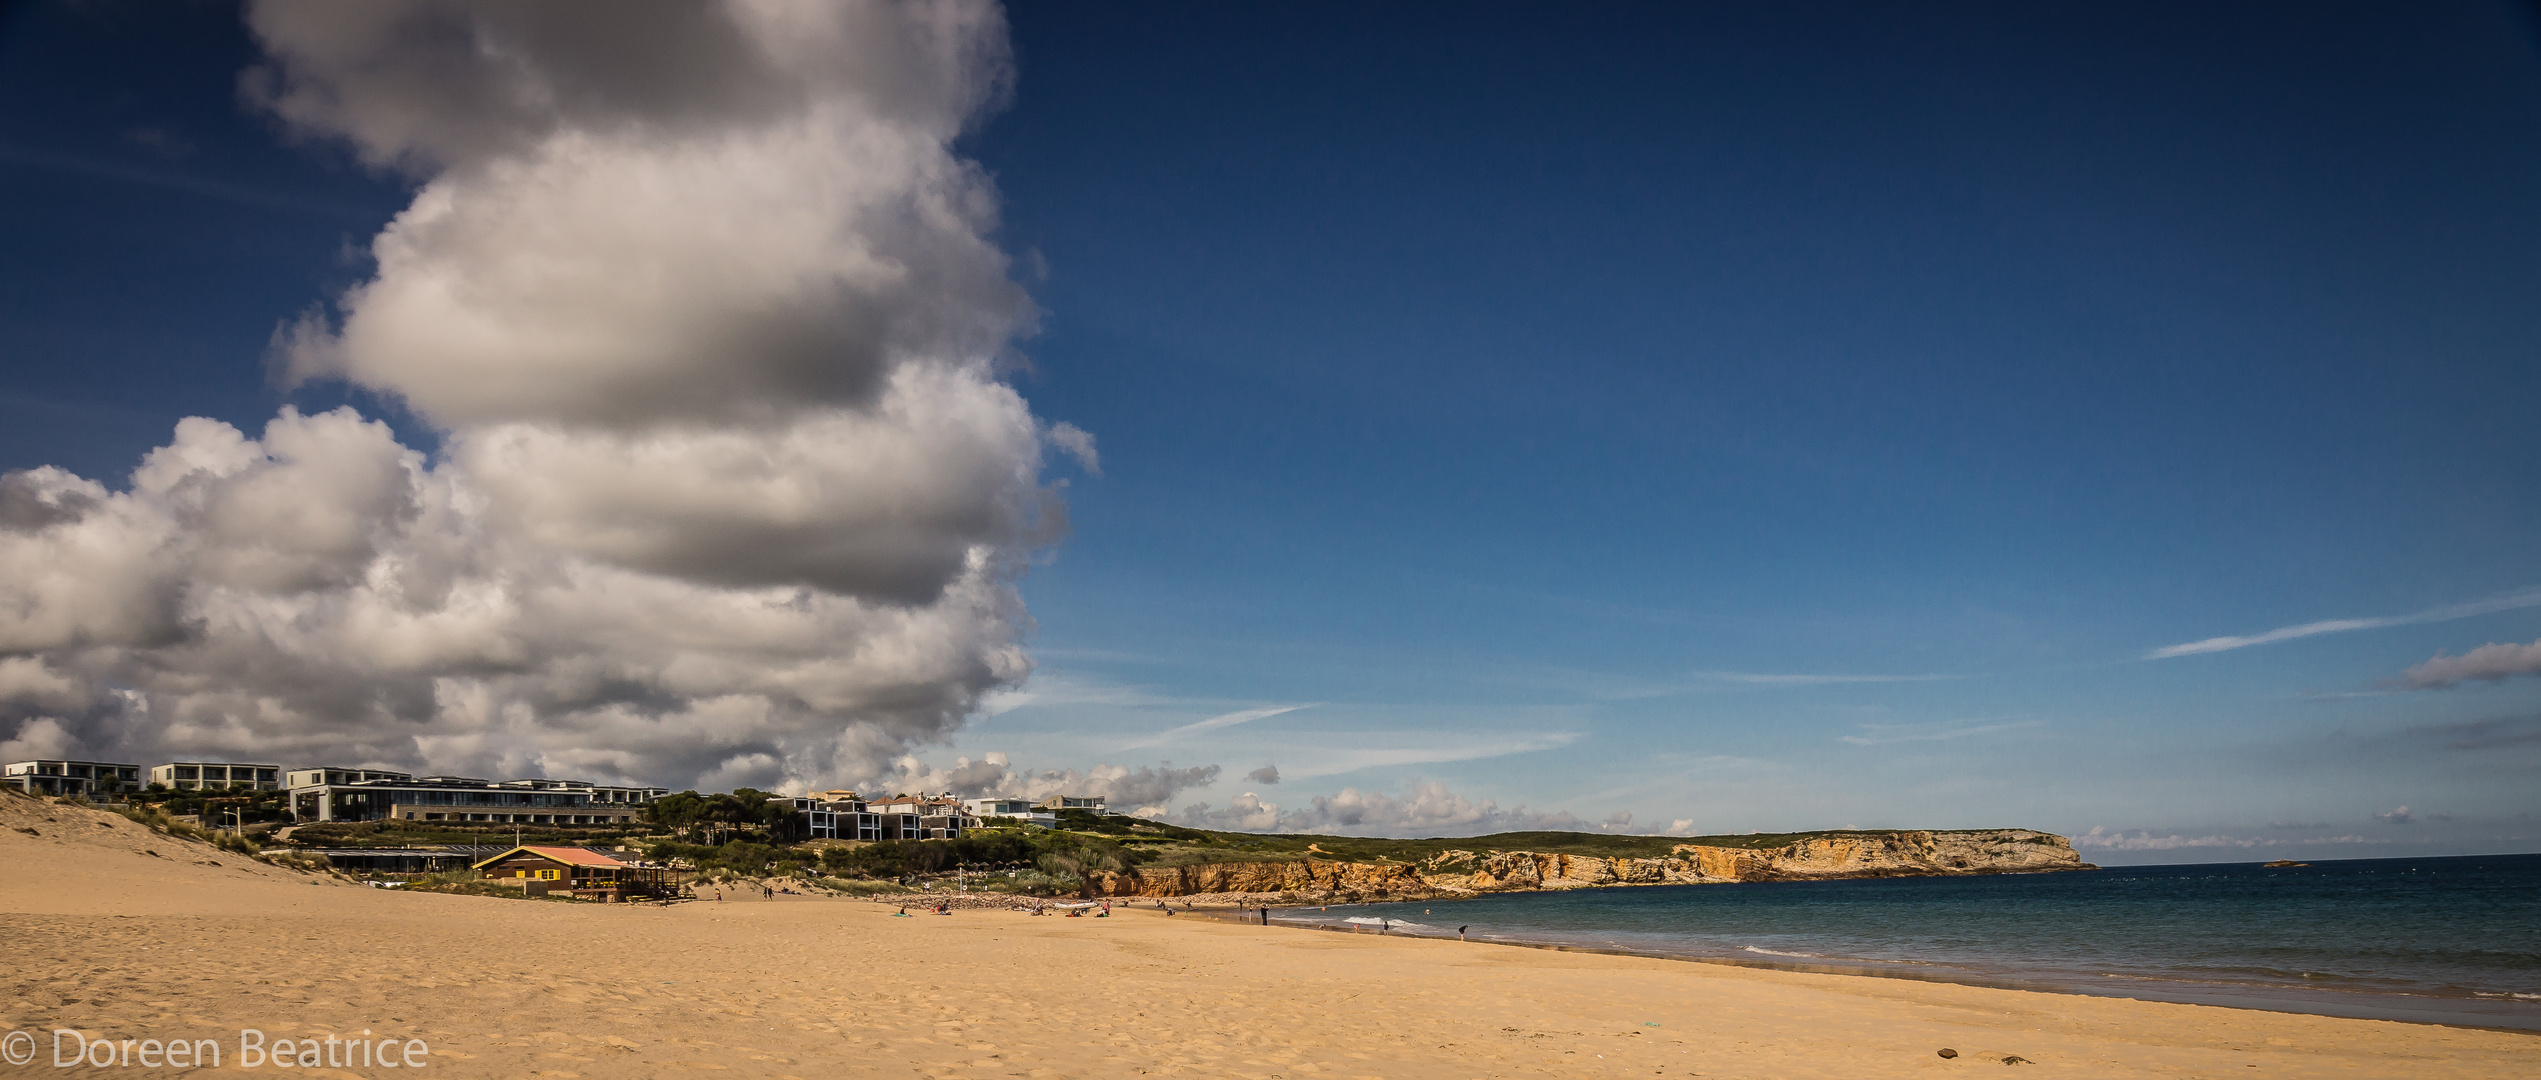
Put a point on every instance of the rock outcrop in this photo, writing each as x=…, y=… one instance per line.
x=1317, y=876
x=1821, y=857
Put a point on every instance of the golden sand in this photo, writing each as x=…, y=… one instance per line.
x=118, y=944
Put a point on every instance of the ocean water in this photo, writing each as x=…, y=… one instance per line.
x=2443, y=940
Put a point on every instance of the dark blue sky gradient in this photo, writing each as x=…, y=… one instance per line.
x=155, y=232
x=1796, y=306
x=1487, y=370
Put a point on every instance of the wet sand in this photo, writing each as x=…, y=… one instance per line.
x=115, y=943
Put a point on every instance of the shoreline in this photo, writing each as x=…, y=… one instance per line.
x=1867, y=970
x=121, y=933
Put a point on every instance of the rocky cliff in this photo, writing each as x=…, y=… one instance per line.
x=1820, y=857
x=1314, y=876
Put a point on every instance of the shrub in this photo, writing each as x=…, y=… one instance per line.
x=897, y=859
x=861, y=888
x=159, y=822
x=298, y=860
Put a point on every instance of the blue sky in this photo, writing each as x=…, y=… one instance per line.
x=1753, y=419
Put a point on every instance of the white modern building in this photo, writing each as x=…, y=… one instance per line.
x=927, y=817
x=87, y=779
x=372, y=795
x=1019, y=809
x=216, y=776
x=831, y=817
x=313, y=777
x=828, y=816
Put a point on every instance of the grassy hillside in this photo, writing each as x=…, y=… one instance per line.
x=1171, y=845
x=1148, y=843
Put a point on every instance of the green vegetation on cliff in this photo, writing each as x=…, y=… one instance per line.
x=1170, y=845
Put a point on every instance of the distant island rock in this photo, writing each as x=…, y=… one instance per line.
x=2283, y=862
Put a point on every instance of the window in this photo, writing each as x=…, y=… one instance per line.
x=549, y=875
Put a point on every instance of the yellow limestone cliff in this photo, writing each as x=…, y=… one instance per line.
x=1826, y=856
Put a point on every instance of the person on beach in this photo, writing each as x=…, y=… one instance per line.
x=1460, y=933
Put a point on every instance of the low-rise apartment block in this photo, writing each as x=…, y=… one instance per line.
x=1092, y=804
x=1019, y=809
x=842, y=815
x=313, y=777
x=463, y=799
x=216, y=776
x=87, y=779
x=927, y=817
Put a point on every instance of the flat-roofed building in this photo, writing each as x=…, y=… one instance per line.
x=216, y=776
x=1018, y=809
x=1092, y=804
x=905, y=817
x=87, y=779
x=313, y=777
x=428, y=860
x=822, y=817
x=466, y=799
x=923, y=817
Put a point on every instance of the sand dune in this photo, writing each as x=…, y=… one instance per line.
x=109, y=939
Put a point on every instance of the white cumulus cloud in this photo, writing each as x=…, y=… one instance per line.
x=1427, y=809
x=1123, y=788
x=706, y=314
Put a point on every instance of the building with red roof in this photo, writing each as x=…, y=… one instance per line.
x=585, y=873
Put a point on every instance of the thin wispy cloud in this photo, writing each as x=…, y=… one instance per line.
x=1118, y=656
x=1227, y=720
x=1610, y=686
x=1753, y=678
x=1883, y=734
x=2506, y=602
x=1061, y=688
x=234, y=194
x=2143, y=840
x=1446, y=748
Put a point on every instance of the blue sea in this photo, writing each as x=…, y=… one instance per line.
x=2444, y=940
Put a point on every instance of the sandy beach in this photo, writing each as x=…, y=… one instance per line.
x=119, y=933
